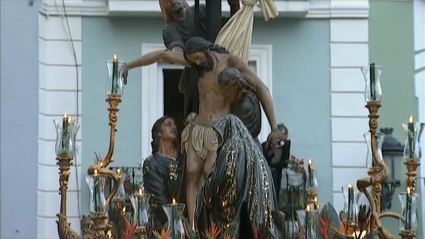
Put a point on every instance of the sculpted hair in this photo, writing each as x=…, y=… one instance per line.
x=156, y=129
x=165, y=6
x=199, y=44
x=233, y=77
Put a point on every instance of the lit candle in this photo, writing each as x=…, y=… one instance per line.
x=95, y=189
x=119, y=172
x=410, y=136
x=408, y=225
x=114, y=74
x=65, y=124
x=173, y=217
x=350, y=216
x=139, y=204
x=308, y=224
x=124, y=211
x=310, y=173
x=372, y=81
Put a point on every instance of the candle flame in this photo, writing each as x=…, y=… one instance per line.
x=119, y=171
x=408, y=191
x=315, y=200
x=174, y=201
x=411, y=119
x=310, y=162
x=123, y=210
x=95, y=172
x=65, y=116
x=350, y=186
x=140, y=192
x=308, y=208
x=115, y=58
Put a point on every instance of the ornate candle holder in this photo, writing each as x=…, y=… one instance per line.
x=174, y=212
x=307, y=219
x=139, y=202
x=379, y=171
x=409, y=224
x=96, y=225
x=312, y=185
x=412, y=150
x=119, y=197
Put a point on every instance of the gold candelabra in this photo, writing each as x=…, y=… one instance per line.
x=379, y=171
x=96, y=225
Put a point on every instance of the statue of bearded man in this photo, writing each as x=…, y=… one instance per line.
x=180, y=26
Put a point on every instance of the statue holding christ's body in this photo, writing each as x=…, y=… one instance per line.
x=218, y=95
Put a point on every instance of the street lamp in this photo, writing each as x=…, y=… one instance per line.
x=392, y=152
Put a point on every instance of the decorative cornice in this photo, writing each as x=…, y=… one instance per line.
x=150, y=8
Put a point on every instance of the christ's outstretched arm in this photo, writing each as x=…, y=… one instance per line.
x=165, y=56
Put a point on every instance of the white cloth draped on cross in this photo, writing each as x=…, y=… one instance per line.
x=236, y=35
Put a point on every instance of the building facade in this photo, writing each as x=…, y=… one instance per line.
x=309, y=58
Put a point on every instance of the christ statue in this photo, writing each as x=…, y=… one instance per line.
x=199, y=139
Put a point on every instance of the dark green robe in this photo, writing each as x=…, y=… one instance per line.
x=240, y=174
x=163, y=180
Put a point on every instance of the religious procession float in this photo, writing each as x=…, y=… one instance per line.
x=247, y=192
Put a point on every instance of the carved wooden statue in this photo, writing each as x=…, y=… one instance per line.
x=163, y=171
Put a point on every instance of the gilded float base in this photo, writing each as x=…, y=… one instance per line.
x=407, y=235
x=141, y=233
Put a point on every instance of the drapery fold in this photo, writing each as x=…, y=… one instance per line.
x=236, y=35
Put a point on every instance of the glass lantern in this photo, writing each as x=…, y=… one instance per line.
x=96, y=184
x=412, y=147
x=380, y=137
x=174, y=213
x=121, y=191
x=66, y=132
x=115, y=85
x=307, y=219
x=408, y=203
x=312, y=185
x=139, y=202
x=351, y=199
x=372, y=77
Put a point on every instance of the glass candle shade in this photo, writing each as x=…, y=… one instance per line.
x=372, y=77
x=312, y=185
x=412, y=147
x=139, y=202
x=307, y=220
x=96, y=184
x=380, y=137
x=120, y=195
x=351, y=198
x=115, y=83
x=174, y=213
x=66, y=132
x=409, y=205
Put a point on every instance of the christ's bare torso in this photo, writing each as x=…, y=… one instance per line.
x=212, y=100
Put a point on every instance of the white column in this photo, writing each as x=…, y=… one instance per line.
x=57, y=95
x=419, y=46
x=349, y=52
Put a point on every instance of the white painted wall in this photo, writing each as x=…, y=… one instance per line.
x=57, y=95
x=349, y=52
x=419, y=46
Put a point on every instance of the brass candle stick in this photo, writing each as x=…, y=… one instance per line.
x=95, y=226
x=379, y=171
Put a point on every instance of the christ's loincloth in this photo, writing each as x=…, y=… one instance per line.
x=201, y=138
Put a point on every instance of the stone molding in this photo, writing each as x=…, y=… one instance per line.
x=150, y=8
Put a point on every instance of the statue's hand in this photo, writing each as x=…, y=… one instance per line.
x=124, y=72
x=274, y=138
